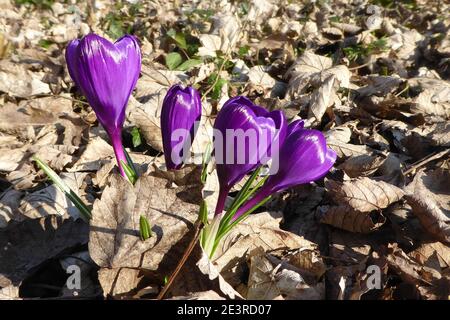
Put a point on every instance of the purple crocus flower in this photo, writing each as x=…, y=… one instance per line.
x=181, y=111
x=106, y=73
x=249, y=136
x=304, y=157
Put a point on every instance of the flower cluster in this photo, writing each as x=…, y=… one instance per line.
x=247, y=137
x=251, y=137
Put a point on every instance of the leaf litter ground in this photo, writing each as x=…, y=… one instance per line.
x=372, y=75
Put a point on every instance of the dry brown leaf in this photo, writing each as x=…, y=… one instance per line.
x=95, y=155
x=349, y=253
x=270, y=278
x=9, y=293
x=434, y=99
x=262, y=231
x=37, y=112
x=323, y=98
x=341, y=134
x=439, y=134
x=434, y=255
x=345, y=150
x=428, y=281
x=149, y=126
x=391, y=170
x=380, y=86
x=307, y=65
x=52, y=201
x=364, y=194
x=17, y=81
x=347, y=218
x=114, y=237
x=187, y=175
x=28, y=244
x=429, y=196
x=312, y=69
x=118, y=282
x=363, y=165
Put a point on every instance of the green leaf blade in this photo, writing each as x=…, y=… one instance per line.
x=173, y=60
x=145, y=231
x=85, y=212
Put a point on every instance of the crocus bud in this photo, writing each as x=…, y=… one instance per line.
x=245, y=136
x=106, y=73
x=180, y=115
x=304, y=157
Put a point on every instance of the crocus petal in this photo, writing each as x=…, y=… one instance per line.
x=71, y=58
x=244, y=136
x=294, y=126
x=180, y=111
x=106, y=74
x=304, y=157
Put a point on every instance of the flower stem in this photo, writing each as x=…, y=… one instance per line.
x=223, y=193
x=116, y=140
x=257, y=198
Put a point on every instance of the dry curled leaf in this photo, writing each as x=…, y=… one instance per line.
x=428, y=195
x=347, y=218
x=52, y=201
x=346, y=150
x=364, y=194
x=262, y=231
x=430, y=283
x=363, y=165
x=17, y=81
x=323, y=98
x=270, y=278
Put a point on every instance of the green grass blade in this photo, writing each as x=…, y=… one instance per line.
x=205, y=161
x=130, y=163
x=78, y=203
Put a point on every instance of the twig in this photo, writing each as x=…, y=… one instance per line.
x=360, y=66
x=187, y=253
x=425, y=161
x=406, y=88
